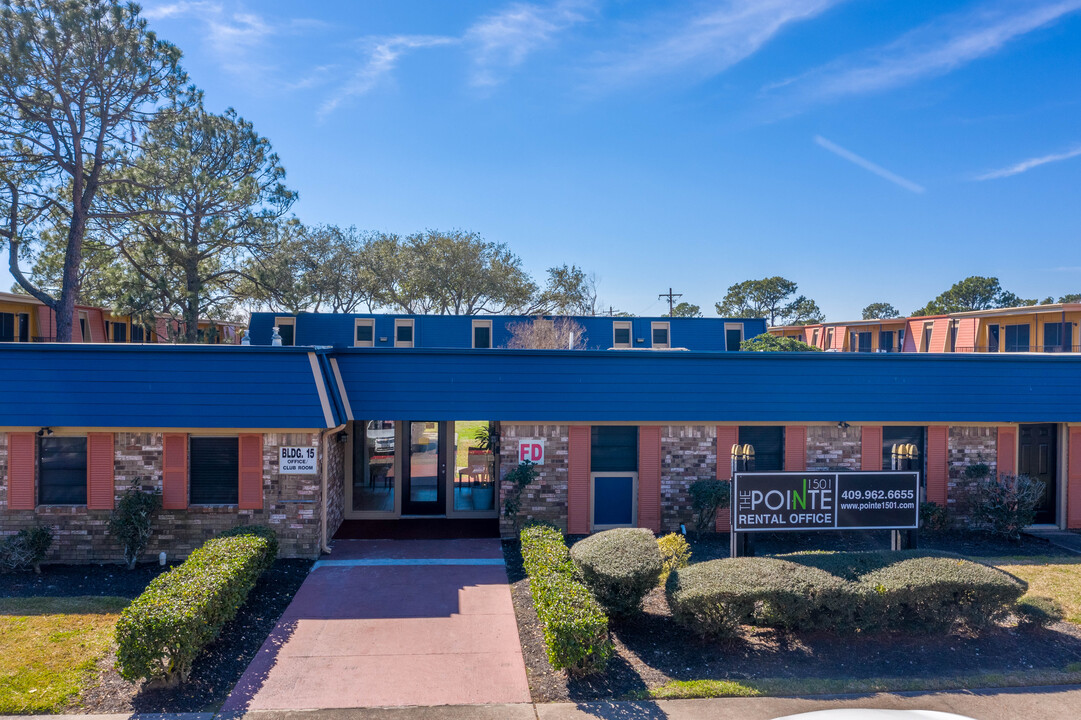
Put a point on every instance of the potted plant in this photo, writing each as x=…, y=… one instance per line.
x=482, y=492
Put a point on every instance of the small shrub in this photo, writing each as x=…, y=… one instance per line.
x=933, y=516
x=132, y=522
x=675, y=554
x=161, y=633
x=520, y=478
x=1006, y=505
x=575, y=626
x=1039, y=611
x=620, y=566
x=978, y=470
x=26, y=549
x=707, y=497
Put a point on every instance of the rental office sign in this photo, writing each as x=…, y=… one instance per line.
x=773, y=502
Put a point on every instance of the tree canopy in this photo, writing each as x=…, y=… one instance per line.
x=770, y=298
x=973, y=293
x=880, y=311
x=771, y=343
x=79, y=79
x=685, y=309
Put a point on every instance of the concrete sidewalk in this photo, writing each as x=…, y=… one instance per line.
x=393, y=623
x=1042, y=703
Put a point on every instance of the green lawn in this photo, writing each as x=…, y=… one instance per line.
x=50, y=648
x=1054, y=577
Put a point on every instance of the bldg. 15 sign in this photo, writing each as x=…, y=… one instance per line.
x=297, y=461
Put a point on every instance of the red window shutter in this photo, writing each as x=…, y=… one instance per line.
x=578, y=451
x=871, y=448
x=100, y=487
x=1073, y=479
x=251, y=472
x=1006, y=451
x=22, y=456
x=795, y=448
x=174, y=471
x=727, y=436
x=938, y=437
x=649, y=477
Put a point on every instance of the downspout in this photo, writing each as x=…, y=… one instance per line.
x=325, y=436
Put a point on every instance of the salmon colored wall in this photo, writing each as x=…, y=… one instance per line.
x=727, y=436
x=649, y=477
x=578, y=450
x=1073, y=479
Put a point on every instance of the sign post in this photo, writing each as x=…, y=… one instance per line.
x=784, y=502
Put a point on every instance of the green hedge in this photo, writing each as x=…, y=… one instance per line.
x=620, y=566
x=844, y=592
x=575, y=626
x=161, y=633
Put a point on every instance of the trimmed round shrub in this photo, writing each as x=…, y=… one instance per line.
x=714, y=598
x=620, y=566
x=934, y=593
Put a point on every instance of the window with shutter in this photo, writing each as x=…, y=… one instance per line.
x=62, y=471
x=215, y=469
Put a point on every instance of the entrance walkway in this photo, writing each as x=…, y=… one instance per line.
x=393, y=622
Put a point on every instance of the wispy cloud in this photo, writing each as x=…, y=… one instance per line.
x=936, y=48
x=382, y=54
x=1026, y=165
x=707, y=42
x=868, y=165
x=503, y=40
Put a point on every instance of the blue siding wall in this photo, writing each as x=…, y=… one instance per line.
x=614, y=386
x=148, y=386
x=455, y=331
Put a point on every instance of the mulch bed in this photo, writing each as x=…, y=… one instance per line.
x=652, y=650
x=215, y=672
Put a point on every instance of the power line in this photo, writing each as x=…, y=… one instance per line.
x=671, y=299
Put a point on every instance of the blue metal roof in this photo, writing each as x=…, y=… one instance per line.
x=661, y=386
x=159, y=386
x=455, y=331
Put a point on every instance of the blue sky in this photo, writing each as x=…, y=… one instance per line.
x=870, y=150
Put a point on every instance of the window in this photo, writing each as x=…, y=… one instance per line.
x=287, y=329
x=900, y=340
x=814, y=338
x=768, y=444
x=120, y=332
x=84, y=326
x=7, y=327
x=992, y=338
x=215, y=471
x=1017, y=338
x=885, y=341
x=613, y=448
x=953, y=336
x=138, y=334
x=733, y=336
x=62, y=470
x=364, y=333
x=660, y=334
x=1058, y=337
x=482, y=334
x=861, y=341
x=829, y=338
x=23, y=327
x=902, y=435
x=373, y=465
x=621, y=334
x=403, y=333
x=928, y=331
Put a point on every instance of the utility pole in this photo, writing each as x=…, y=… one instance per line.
x=671, y=299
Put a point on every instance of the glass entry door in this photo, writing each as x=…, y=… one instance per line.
x=424, y=490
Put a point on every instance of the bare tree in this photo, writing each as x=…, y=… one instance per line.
x=78, y=78
x=541, y=333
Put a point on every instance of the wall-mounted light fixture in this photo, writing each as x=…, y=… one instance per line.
x=45, y=431
x=842, y=425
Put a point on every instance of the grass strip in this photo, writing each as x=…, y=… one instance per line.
x=50, y=648
x=686, y=689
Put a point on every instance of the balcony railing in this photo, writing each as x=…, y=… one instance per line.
x=1008, y=348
